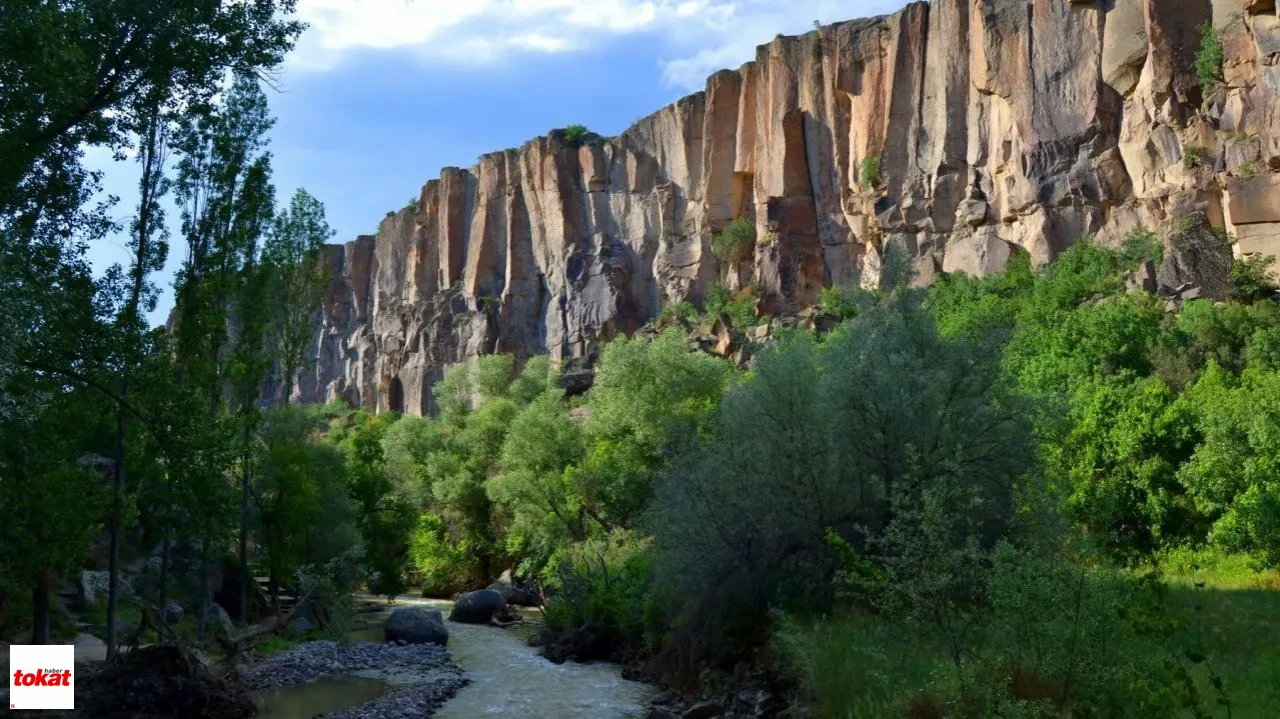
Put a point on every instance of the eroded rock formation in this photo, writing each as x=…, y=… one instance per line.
x=998, y=126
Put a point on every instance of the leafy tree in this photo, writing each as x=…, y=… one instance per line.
x=1233, y=474
x=292, y=251
x=50, y=504
x=650, y=402
x=856, y=435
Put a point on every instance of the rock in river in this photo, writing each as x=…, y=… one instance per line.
x=478, y=607
x=416, y=625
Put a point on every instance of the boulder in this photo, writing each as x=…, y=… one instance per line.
x=172, y=613
x=415, y=625
x=1196, y=255
x=512, y=592
x=221, y=619
x=92, y=587
x=479, y=607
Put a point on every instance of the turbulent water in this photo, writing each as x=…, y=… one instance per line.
x=508, y=678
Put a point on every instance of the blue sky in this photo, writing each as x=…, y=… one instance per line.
x=380, y=94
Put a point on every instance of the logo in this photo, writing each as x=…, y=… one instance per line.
x=42, y=676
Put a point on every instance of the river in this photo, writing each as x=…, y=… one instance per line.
x=508, y=678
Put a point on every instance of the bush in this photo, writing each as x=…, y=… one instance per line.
x=1210, y=58
x=1050, y=637
x=1252, y=279
x=575, y=134
x=735, y=242
x=444, y=565
x=740, y=308
x=602, y=607
x=1193, y=156
x=869, y=172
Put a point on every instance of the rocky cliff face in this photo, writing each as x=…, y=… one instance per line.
x=998, y=126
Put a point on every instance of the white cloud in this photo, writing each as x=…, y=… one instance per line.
x=697, y=37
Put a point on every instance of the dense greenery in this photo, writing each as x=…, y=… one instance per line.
x=1210, y=57
x=735, y=243
x=1034, y=494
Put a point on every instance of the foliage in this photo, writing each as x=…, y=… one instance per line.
x=869, y=172
x=1193, y=156
x=1209, y=58
x=823, y=437
x=575, y=134
x=1252, y=277
x=603, y=606
x=740, y=307
x=299, y=279
x=734, y=244
x=1248, y=170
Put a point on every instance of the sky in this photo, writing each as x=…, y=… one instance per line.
x=381, y=94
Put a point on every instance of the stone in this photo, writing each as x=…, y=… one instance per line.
x=725, y=342
x=220, y=619
x=172, y=613
x=513, y=594
x=91, y=587
x=479, y=607
x=1192, y=293
x=703, y=710
x=998, y=126
x=1195, y=255
x=414, y=624
x=301, y=625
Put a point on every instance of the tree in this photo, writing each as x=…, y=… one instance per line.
x=50, y=504
x=150, y=249
x=227, y=201
x=299, y=279
x=853, y=436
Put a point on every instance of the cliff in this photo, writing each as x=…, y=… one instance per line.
x=999, y=126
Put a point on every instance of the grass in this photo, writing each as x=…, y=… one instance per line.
x=1238, y=624
x=855, y=665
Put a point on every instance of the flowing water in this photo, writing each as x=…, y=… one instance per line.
x=508, y=678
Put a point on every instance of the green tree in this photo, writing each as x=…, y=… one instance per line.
x=299, y=278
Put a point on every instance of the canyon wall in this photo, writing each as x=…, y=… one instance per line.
x=998, y=126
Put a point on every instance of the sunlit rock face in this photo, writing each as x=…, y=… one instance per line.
x=998, y=127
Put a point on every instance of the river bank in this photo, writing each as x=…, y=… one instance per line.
x=484, y=671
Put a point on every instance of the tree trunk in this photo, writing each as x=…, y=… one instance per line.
x=163, y=589
x=246, y=575
x=117, y=490
x=203, y=612
x=40, y=609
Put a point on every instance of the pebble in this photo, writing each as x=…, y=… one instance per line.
x=419, y=700
x=313, y=660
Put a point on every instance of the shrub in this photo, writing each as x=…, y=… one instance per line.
x=869, y=172
x=1248, y=170
x=1251, y=277
x=575, y=134
x=1193, y=156
x=1139, y=246
x=740, y=308
x=444, y=564
x=735, y=242
x=1210, y=58
x=602, y=605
